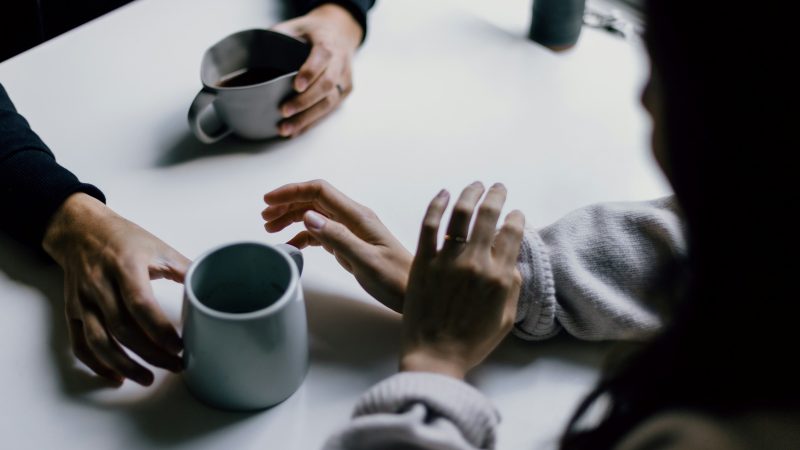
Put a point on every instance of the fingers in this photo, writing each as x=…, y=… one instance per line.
x=125, y=330
x=76, y=337
x=138, y=297
x=315, y=65
x=174, y=268
x=290, y=217
x=335, y=237
x=486, y=222
x=429, y=235
x=508, y=240
x=109, y=352
x=321, y=194
x=462, y=214
x=303, y=239
x=324, y=86
x=272, y=212
x=85, y=355
x=299, y=123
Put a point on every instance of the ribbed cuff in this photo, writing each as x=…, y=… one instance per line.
x=536, y=309
x=463, y=405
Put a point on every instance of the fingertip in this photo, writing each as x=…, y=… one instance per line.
x=285, y=130
x=301, y=83
x=144, y=378
x=517, y=214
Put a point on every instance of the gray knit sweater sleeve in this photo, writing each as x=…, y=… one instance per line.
x=416, y=410
x=606, y=271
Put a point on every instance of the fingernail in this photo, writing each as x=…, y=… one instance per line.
x=288, y=111
x=285, y=130
x=499, y=185
x=314, y=221
x=443, y=193
x=475, y=184
x=301, y=84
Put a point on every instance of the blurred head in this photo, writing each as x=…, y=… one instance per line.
x=722, y=143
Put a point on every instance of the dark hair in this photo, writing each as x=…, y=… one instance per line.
x=728, y=349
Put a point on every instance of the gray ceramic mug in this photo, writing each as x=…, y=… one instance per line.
x=246, y=77
x=244, y=326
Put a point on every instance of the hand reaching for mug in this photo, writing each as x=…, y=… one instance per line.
x=461, y=300
x=350, y=231
x=325, y=79
x=108, y=263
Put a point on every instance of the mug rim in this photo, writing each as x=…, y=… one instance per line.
x=266, y=311
x=251, y=30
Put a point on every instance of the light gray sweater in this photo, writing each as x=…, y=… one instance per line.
x=602, y=272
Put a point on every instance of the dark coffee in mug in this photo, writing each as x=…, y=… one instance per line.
x=250, y=75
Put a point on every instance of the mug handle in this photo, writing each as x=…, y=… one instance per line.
x=202, y=112
x=294, y=253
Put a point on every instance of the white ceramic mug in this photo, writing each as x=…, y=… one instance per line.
x=244, y=325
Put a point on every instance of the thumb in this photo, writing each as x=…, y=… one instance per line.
x=335, y=236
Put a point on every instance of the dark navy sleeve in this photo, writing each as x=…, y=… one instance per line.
x=32, y=184
x=358, y=8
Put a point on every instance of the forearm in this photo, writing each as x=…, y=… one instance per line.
x=604, y=272
x=32, y=184
x=419, y=410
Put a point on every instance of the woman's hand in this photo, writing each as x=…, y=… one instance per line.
x=348, y=230
x=108, y=263
x=325, y=79
x=461, y=300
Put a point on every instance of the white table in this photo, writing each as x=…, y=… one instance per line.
x=446, y=93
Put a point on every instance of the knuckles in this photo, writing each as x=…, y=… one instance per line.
x=327, y=84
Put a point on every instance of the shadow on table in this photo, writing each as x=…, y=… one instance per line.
x=187, y=148
x=514, y=351
x=170, y=415
x=35, y=270
x=345, y=331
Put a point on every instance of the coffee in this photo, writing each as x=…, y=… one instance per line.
x=250, y=75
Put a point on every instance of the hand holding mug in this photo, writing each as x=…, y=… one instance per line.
x=348, y=230
x=325, y=79
x=461, y=299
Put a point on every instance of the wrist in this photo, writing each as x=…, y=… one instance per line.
x=432, y=362
x=77, y=212
x=344, y=20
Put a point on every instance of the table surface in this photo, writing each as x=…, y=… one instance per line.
x=446, y=92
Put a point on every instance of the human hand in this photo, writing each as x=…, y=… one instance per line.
x=461, y=300
x=108, y=263
x=325, y=79
x=348, y=230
